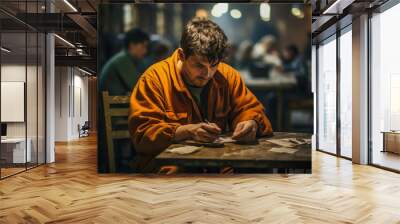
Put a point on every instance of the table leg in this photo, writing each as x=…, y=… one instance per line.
x=384, y=142
x=279, y=109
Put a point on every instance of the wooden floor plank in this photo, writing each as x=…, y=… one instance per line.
x=71, y=191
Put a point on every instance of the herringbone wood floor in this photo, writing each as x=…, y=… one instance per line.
x=70, y=191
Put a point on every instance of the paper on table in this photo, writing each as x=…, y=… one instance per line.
x=290, y=142
x=284, y=150
x=225, y=140
x=282, y=142
x=299, y=141
x=184, y=150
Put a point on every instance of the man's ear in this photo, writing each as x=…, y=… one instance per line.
x=181, y=55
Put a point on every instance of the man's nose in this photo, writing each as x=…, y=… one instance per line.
x=208, y=72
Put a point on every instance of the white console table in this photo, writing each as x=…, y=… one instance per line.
x=15, y=148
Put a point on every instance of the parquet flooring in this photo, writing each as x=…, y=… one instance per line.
x=70, y=191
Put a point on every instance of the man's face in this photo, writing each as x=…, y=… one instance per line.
x=138, y=50
x=287, y=55
x=196, y=69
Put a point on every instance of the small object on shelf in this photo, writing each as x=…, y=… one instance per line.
x=391, y=141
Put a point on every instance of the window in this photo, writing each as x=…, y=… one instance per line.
x=385, y=84
x=22, y=66
x=327, y=96
x=346, y=93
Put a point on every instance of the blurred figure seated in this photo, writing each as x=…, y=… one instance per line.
x=294, y=64
x=243, y=55
x=265, y=57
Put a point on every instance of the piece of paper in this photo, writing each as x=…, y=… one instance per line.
x=184, y=150
x=290, y=142
x=282, y=142
x=225, y=140
x=283, y=150
x=299, y=141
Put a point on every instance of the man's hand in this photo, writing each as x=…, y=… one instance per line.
x=202, y=132
x=245, y=131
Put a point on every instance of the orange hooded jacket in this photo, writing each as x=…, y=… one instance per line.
x=160, y=102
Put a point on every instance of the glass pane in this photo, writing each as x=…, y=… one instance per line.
x=41, y=99
x=327, y=96
x=385, y=89
x=346, y=94
x=13, y=85
x=31, y=86
x=31, y=100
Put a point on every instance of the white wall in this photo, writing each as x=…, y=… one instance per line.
x=61, y=103
x=71, y=94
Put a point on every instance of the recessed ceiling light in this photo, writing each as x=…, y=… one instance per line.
x=5, y=50
x=84, y=71
x=70, y=5
x=236, y=14
x=64, y=40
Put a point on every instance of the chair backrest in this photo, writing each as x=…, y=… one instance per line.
x=109, y=113
x=85, y=126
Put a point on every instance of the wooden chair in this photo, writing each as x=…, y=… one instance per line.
x=109, y=113
x=83, y=131
x=300, y=105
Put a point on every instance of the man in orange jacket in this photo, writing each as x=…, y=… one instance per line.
x=193, y=95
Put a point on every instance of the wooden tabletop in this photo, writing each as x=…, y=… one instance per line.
x=245, y=156
x=277, y=82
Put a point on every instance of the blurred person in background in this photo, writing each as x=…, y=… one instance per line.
x=159, y=49
x=230, y=58
x=243, y=55
x=121, y=72
x=265, y=57
x=294, y=64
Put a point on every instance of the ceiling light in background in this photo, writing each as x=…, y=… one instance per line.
x=70, y=5
x=265, y=11
x=5, y=50
x=297, y=12
x=332, y=8
x=236, y=14
x=219, y=9
x=84, y=71
x=65, y=41
x=79, y=51
x=201, y=13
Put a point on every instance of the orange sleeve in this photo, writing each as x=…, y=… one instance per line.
x=246, y=106
x=150, y=133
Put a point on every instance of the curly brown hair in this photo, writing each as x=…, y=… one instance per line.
x=204, y=37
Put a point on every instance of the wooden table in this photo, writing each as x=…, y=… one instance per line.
x=391, y=141
x=244, y=156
